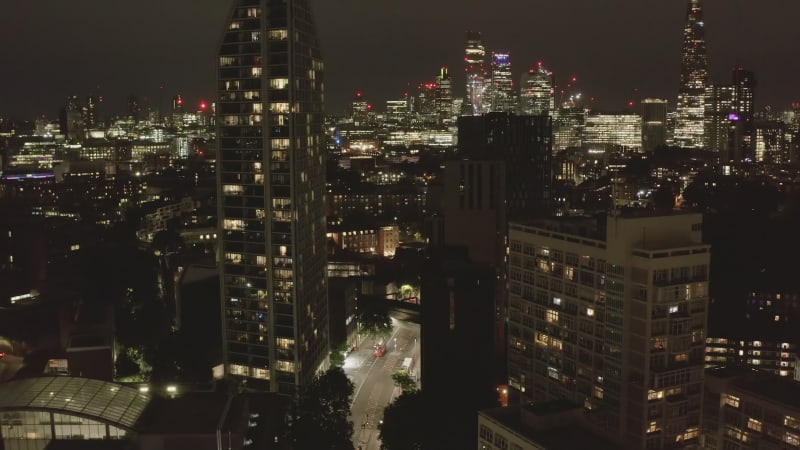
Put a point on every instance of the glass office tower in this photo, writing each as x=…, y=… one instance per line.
x=271, y=184
x=689, y=129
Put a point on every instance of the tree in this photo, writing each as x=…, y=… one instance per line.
x=664, y=197
x=374, y=321
x=405, y=423
x=337, y=354
x=404, y=381
x=321, y=415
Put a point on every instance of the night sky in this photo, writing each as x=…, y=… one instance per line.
x=53, y=48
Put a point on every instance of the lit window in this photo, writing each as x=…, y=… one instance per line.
x=278, y=83
x=655, y=395
x=552, y=316
x=232, y=189
x=284, y=366
x=255, y=72
x=236, y=369
x=233, y=224
x=673, y=309
x=235, y=258
x=754, y=424
x=279, y=34
x=279, y=144
x=791, y=422
x=730, y=400
x=653, y=427
x=279, y=107
x=598, y=392
x=557, y=301
x=590, y=312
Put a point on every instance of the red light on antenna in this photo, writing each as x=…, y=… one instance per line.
x=203, y=105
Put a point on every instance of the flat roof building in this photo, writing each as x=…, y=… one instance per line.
x=556, y=425
x=745, y=408
x=611, y=314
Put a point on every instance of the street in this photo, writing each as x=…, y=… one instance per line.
x=372, y=377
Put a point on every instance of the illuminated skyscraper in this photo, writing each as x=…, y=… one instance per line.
x=536, y=95
x=654, y=123
x=502, y=85
x=475, y=71
x=360, y=109
x=718, y=105
x=270, y=168
x=444, y=97
x=742, y=136
x=689, y=130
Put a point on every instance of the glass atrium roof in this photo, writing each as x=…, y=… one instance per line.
x=101, y=400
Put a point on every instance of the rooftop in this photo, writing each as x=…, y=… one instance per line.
x=90, y=444
x=190, y=413
x=566, y=436
x=103, y=401
x=768, y=386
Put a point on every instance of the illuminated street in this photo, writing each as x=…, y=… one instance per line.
x=372, y=377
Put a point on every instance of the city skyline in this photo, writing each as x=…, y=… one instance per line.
x=116, y=47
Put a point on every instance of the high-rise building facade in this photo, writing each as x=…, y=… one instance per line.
x=525, y=144
x=359, y=109
x=444, y=97
x=742, y=115
x=476, y=102
x=502, y=88
x=654, y=123
x=271, y=181
x=718, y=105
x=612, y=315
x=568, y=126
x=613, y=131
x=689, y=131
x=536, y=92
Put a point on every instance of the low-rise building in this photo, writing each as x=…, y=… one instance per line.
x=556, y=425
x=745, y=409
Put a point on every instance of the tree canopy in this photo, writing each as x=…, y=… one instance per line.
x=404, y=381
x=321, y=418
x=405, y=424
x=374, y=321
